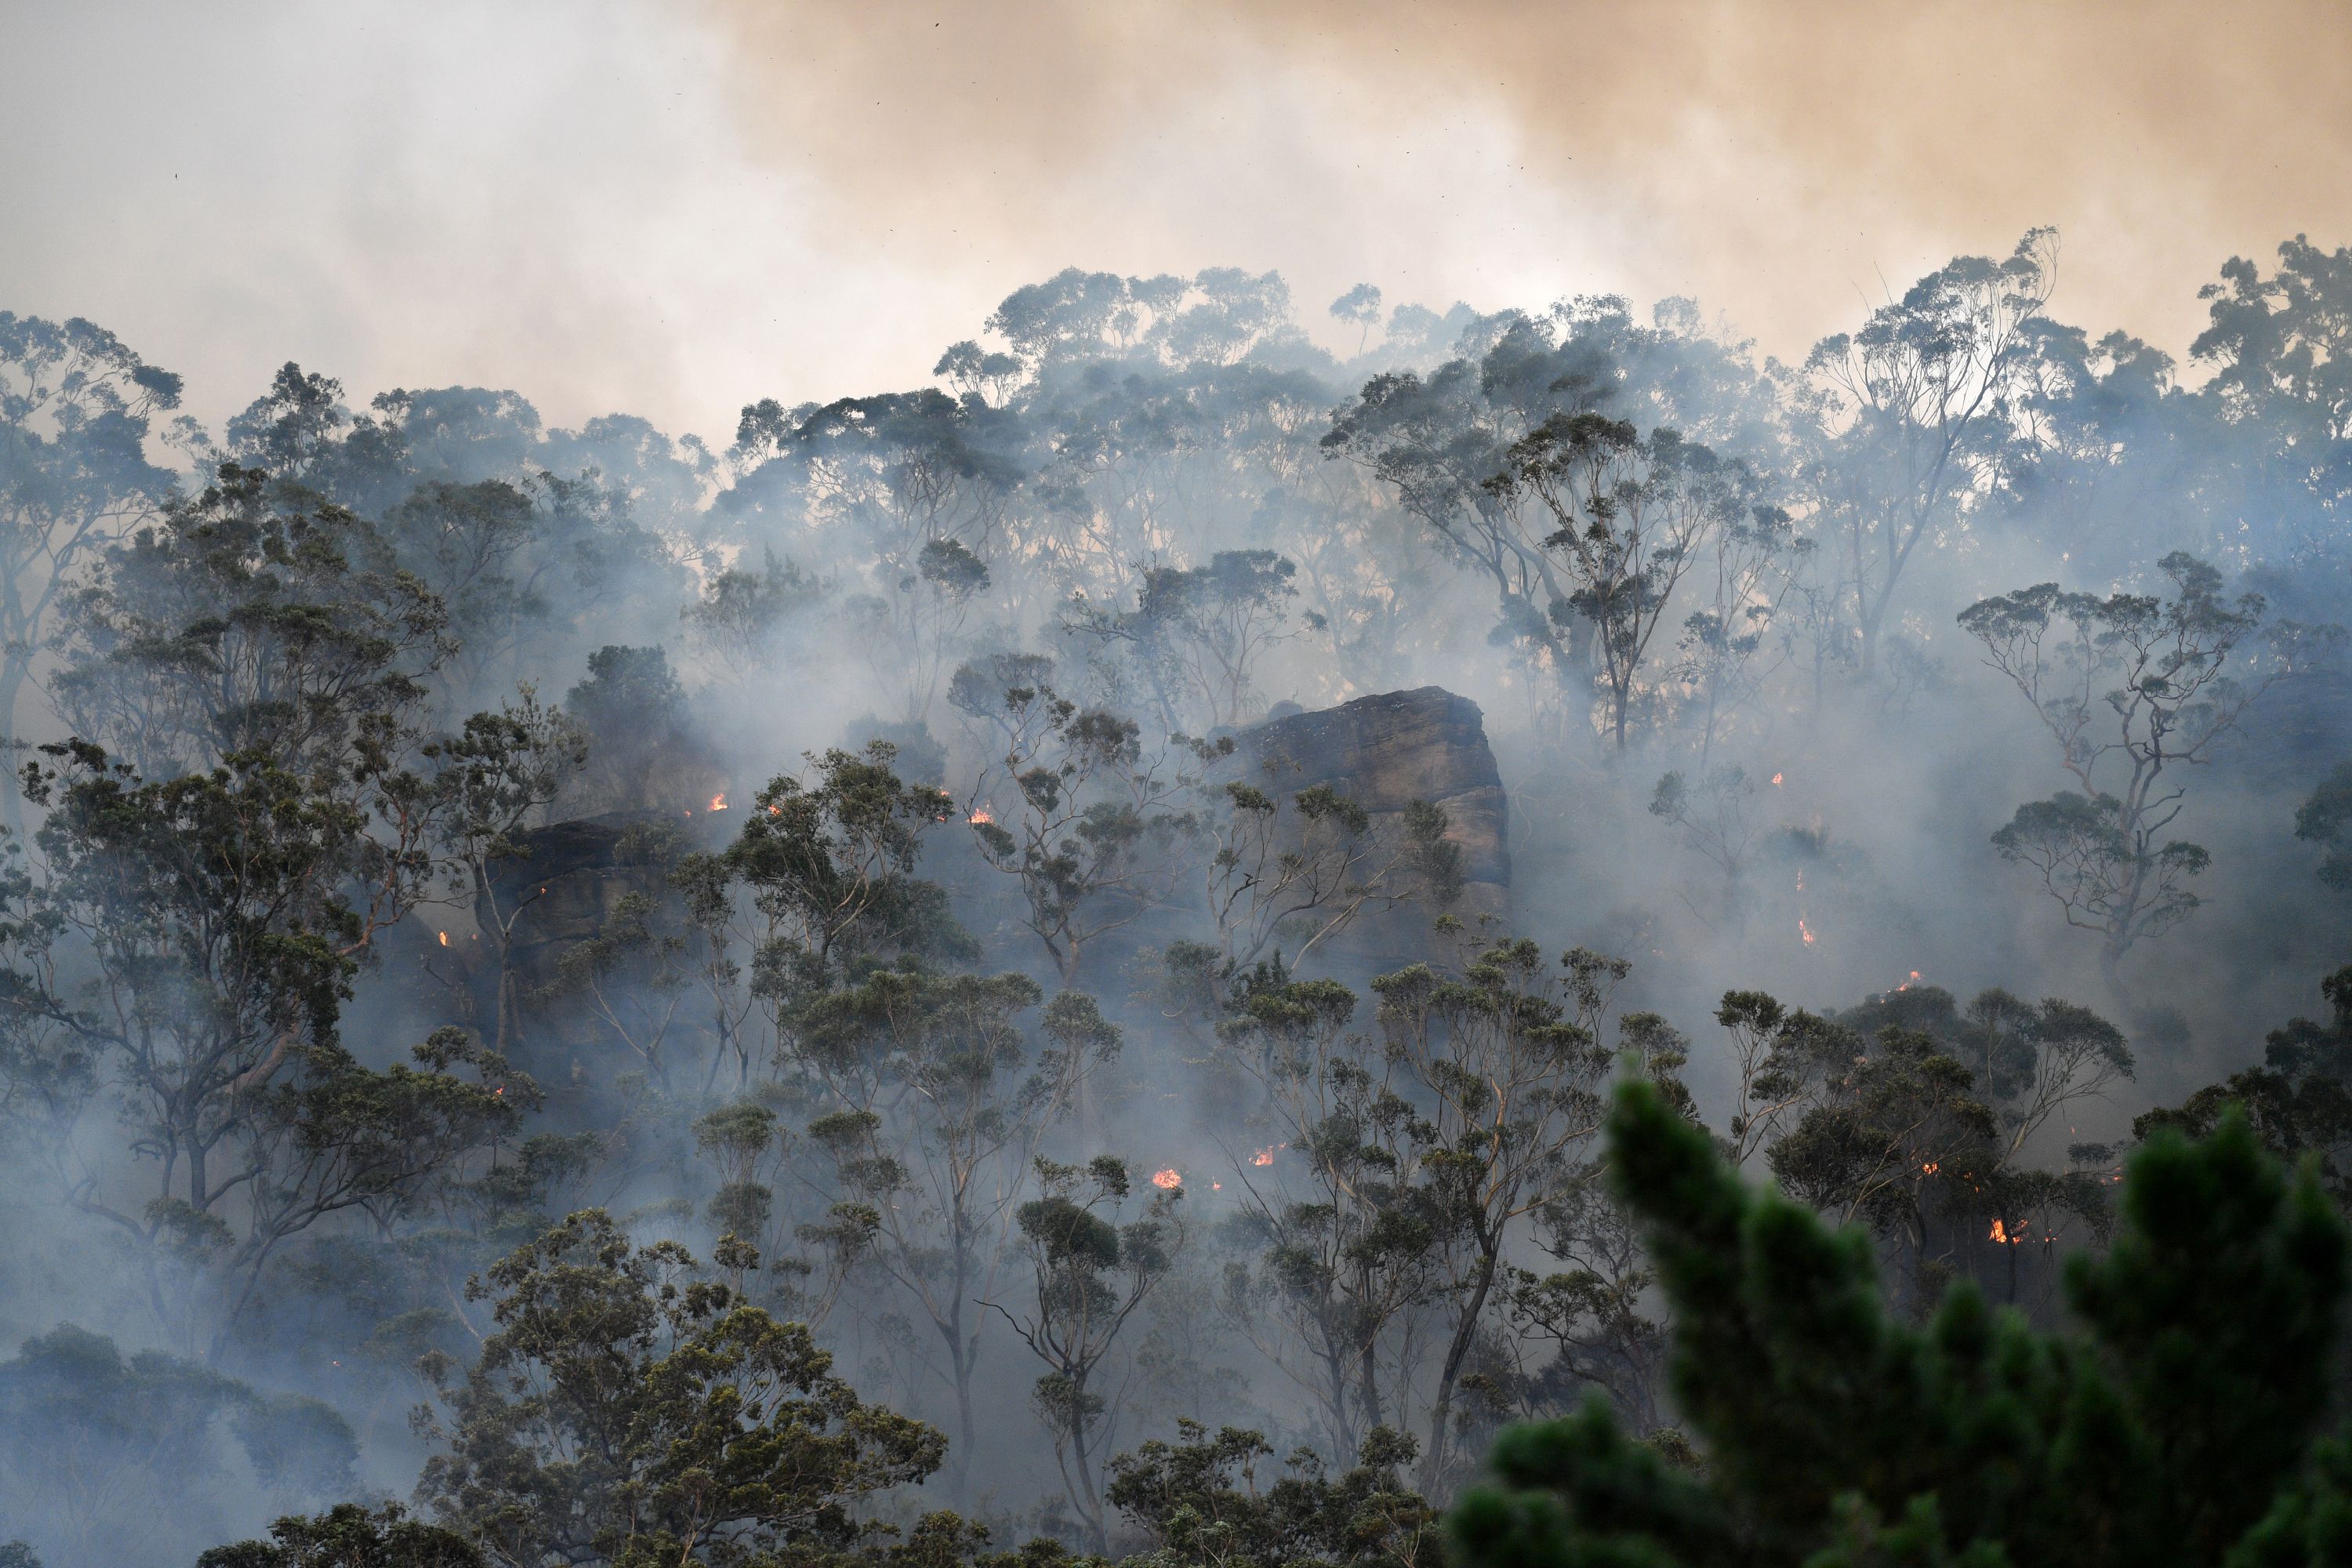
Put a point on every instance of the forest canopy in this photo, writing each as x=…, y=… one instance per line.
x=1528, y=938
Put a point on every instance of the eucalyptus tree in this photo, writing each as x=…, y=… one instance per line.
x=1095, y=830
x=936, y=1101
x=1360, y=307
x=826, y=862
x=2135, y=689
x=1437, y=440
x=1633, y=516
x=1727, y=650
x=1337, y=1203
x=1090, y=1274
x=1197, y=635
x=2276, y=345
x=76, y=409
x=911, y=491
x=1910, y=416
x=741, y=613
x=1504, y=1063
x=1282, y=878
x=624, y=1409
x=491, y=778
x=251, y=620
x=2326, y=819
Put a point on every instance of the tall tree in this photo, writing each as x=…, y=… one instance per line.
x=627, y=1411
x=2135, y=689
x=1091, y=1274
x=2180, y=1422
x=1631, y=515
x=937, y=1105
x=1912, y=412
x=76, y=407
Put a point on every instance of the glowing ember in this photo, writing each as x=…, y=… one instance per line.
x=1216, y=1187
x=1776, y=781
x=1929, y=1168
x=1914, y=981
x=1167, y=1180
x=1804, y=930
x=445, y=938
x=1266, y=1156
x=980, y=814
x=719, y=801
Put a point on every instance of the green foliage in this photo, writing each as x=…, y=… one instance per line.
x=627, y=1410
x=829, y=861
x=1199, y=1499
x=76, y=409
x=1197, y=634
x=633, y=712
x=741, y=611
x=2326, y=819
x=2181, y=1414
x=349, y=1536
x=2298, y=1099
x=250, y=620
x=1084, y=820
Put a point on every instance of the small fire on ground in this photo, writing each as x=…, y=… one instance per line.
x=719, y=801
x=980, y=814
x=1167, y=1180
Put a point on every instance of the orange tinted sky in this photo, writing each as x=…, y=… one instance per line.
x=676, y=205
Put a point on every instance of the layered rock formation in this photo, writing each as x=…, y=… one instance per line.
x=1384, y=752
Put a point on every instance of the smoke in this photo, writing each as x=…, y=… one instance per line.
x=1773, y=162
x=678, y=207
x=673, y=207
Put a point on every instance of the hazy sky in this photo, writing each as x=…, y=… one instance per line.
x=673, y=206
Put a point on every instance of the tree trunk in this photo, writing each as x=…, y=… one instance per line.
x=1465, y=1334
x=14, y=667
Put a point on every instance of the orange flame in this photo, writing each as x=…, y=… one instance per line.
x=1914, y=981
x=1266, y=1156
x=1776, y=781
x=2000, y=1234
x=980, y=814
x=1167, y=1180
x=445, y=938
x=1804, y=930
x=719, y=801
x=1929, y=1168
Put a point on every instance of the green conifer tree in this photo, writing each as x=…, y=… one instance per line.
x=2178, y=1423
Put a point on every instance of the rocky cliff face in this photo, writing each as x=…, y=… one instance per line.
x=1384, y=752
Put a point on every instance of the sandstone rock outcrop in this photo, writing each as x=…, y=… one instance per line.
x=1383, y=752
